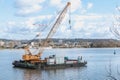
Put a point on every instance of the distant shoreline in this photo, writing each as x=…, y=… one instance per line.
x=62, y=48
x=60, y=43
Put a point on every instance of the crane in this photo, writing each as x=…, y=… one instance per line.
x=41, y=25
x=29, y=56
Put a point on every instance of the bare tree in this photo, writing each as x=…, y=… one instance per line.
x=110, y=75
x=115, y=29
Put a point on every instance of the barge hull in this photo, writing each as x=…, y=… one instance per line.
x=59, y=66
x=22, y=64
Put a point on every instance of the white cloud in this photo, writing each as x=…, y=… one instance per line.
x=11, y=23
x=55, y=2
x=63, y=29
x=28, y=6
x=86, y=17
x=78, y=25
x=28, y=10
x=29, y=2
x=118, y=8
x=85, y=9
x=33, y=23
x=26, y=27
x=90, y=5
x=75, y=5
x=89, y=26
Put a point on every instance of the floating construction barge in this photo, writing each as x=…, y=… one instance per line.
x=52, y=62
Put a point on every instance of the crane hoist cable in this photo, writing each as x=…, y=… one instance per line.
x=70, y=17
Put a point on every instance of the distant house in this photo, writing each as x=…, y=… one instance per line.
x=2, y=43
x=9, y=44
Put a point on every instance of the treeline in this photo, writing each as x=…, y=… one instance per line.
x=105, y=43
x=61, y=43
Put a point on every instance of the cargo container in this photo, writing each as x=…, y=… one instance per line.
x=71, y=62
x=50, y=61
x=59, y=60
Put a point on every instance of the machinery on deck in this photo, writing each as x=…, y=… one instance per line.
x=29, y=56
x=34, y=61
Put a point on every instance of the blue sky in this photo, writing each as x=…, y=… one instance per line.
x=89, y=18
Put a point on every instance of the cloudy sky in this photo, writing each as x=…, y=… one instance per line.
x=23, y=19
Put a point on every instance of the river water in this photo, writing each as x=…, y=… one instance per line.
x=101, y=63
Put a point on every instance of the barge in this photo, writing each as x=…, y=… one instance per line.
x=51, y=63
x=34, y=61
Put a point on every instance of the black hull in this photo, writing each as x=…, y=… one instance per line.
x=23, y=64
x=28, y=65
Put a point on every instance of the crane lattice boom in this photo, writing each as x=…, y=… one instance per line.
x=30, y=57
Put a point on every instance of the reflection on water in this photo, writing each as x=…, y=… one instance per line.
x=31, y=75
x=97, y=67
x=59, y=74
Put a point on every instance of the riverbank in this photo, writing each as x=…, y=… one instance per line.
x=61, y=43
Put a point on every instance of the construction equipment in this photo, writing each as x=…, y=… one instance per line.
x=52, y=62
x=28, y=56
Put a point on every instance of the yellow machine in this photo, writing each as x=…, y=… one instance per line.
x=28, y=56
